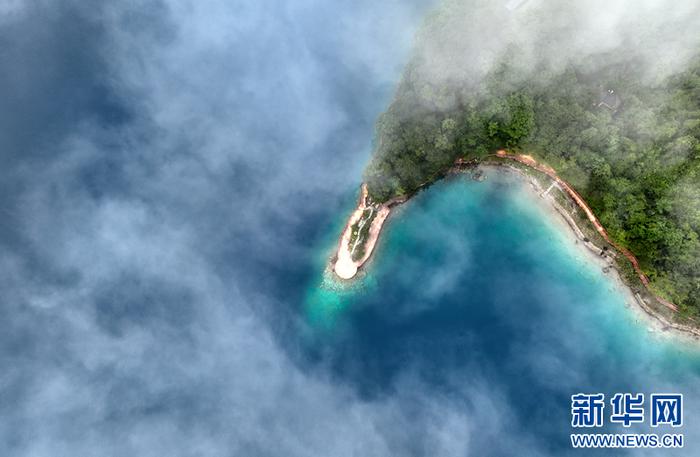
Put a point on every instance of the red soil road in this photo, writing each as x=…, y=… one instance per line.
x=549, y=171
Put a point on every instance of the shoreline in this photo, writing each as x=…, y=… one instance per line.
x=344, y=265
x=656, y=322
x=345, y=268
x=574, y=196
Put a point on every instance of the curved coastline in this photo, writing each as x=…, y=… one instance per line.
x=581, y=203
x=659, y=317
x=346, y=267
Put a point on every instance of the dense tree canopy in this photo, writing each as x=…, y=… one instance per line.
x=631, y=148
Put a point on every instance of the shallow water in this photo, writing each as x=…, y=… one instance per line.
x=475, y=288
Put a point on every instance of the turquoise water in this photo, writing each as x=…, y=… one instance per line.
x=475, y=292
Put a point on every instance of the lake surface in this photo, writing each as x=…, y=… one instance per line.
x=479, y=294
x=176, y=178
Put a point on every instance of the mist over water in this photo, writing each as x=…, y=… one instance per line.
x=475, y=290
x=175, y=175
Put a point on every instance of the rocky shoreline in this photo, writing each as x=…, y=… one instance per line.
x=346, y=267
x=607, y=259
x=346, y=262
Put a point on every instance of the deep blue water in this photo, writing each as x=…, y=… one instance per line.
x=175, y=176
x=474, y=287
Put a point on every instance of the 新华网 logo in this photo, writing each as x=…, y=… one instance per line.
x=626, y=409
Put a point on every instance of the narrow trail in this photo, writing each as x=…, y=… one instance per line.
x=549, y=171
x=360, y=226
x=546, y=192
x=345, y=267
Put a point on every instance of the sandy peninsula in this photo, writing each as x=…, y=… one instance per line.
x=347, y=262
x=355, y=250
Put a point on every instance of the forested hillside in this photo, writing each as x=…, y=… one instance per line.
x=631, y=147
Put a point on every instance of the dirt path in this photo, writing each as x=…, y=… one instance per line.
x=532, y=163
x=345, y=267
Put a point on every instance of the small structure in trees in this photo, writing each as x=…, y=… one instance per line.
x=610, y=100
